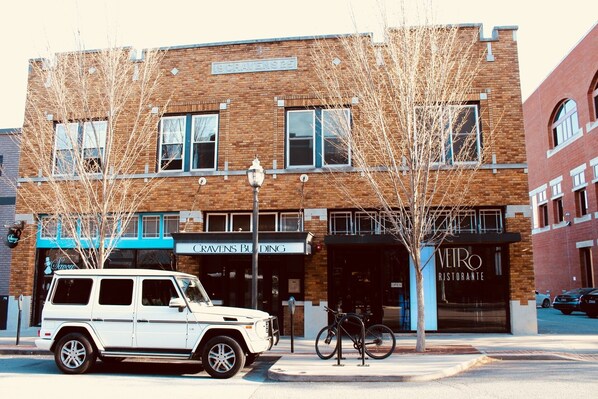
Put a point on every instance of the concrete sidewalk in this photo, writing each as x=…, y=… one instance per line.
x=447, y=354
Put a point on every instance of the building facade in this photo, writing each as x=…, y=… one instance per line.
x=561, y=126
x=235, y=100
x=9, y=164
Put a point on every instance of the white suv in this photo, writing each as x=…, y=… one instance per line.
x=117, y=313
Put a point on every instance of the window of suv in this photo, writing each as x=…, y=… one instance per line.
x=157, y=292
x=116, y=292
x=72, y=291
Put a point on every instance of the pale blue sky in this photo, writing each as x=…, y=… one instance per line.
x=548, y=29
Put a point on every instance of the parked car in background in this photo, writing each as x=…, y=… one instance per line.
x=589, y=304
x=542, y=300
x=568, y=302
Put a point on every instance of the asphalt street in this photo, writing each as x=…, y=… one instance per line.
x=552, y=321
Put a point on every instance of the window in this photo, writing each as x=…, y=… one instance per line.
x=85, y=140
x=49, y=227
x=72, y=291
x=595, y=100
x=543, y=215
x=1, y=163
x=151, y=226
x=241, y=222
x=365, y=223
x=291, y=222
x=336, y=127
x=205, y=132
x=442, y=221
x=307, y=127
x=157, y=292
x=465, y=222
x=217, y=222
x=110, y=227
x=301, y=135
x=171, y=225
x=340, y=223
x=565, y=124
x=490, y=221
x=457, y=128
x=131, y=230
x=267, y=222
x=559, y=214
x=172, y=142
x=89, y=227
x=581, y=202
x=116, y=292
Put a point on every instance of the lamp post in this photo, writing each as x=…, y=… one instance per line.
x=255, y=176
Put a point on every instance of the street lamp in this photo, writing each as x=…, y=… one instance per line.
x=255, y=176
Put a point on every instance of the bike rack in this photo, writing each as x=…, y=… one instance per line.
x=339, y=341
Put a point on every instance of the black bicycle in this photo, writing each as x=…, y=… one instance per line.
x=379, y=341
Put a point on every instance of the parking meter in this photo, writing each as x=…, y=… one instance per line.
x=20, y=306
x=291, y=303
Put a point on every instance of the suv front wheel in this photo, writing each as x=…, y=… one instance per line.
x=222, y=357
x=74, y=354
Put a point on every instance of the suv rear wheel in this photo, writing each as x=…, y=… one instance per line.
x=74, y=354
x=222, y=357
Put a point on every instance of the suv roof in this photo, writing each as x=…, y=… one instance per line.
x=120, y=272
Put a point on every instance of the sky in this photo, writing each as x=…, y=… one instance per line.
x=548, y=29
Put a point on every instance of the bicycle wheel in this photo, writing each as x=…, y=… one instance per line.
x=379, y=341
x=326, y=342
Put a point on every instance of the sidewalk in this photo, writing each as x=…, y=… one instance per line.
x=447, y=355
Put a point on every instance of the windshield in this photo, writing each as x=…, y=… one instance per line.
x=193, y=290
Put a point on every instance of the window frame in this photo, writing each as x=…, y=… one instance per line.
x=336, y=215
x=491, y=212
x=478, y=144
x=167, y=233
x=226, y=222
x=232, y=217
x=143, y=224
x=162, y=143
x=288, y=139
x=133, y=221
x=565, y=120
x=76, y=141
x=285, y=215
x=326, y=111
x=194, y=117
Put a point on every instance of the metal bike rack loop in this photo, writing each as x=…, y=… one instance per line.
x=339, y=341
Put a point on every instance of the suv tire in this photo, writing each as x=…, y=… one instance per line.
x=74, y=354
x=222, y=357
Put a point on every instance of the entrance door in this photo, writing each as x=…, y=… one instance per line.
x=373, y=280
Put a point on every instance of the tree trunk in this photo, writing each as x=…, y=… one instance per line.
x=420, y=345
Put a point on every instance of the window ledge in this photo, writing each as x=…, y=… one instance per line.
x=583, y=218
x=591, y=126
x=540, y=230
x=560, y=225
x=558, y=148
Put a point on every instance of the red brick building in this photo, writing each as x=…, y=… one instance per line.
x=561, y=126
x=248, y=98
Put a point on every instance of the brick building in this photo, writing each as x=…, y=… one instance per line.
x=561, y=126
x=9, y=164
x=246, y=97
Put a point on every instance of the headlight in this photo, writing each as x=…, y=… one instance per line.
x=261, y=328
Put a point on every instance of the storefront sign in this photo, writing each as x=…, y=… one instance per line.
x=13, y=237
x=57, y=264
x=271, y=248
x=458, y=264
x=247, y=66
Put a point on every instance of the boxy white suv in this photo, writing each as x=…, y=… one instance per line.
x=113, y=314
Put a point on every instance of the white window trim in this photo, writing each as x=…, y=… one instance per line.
x=323, y=141
x=594, y=166
x=294, y=214
x=313, y=137
x=46, y=219
x=331, y=220
x=193, y=118
x=122, y=231
x=162, y=143
x=372, y=216
x=170, y=215
x=232, y=216
x=565, y=144
x=498, y=214
x=142, y=234
x=226, y=221
x=260, y=214
x=478, y=146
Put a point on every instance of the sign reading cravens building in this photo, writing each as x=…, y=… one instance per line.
x=213, y=248
x=249, y=66
x=459, y=264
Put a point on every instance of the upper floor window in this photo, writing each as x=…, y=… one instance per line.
x=456, y=131
x=317, y=137
x=565, y=124
x=201, y=131
x=1, y=163
x=79, y=142
x=595, y=100
x=242, y=222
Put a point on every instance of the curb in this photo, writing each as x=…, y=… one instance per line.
x=24, y=352
x=277, y=374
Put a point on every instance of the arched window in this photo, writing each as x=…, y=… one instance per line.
x=595, y=98
x=565, y=124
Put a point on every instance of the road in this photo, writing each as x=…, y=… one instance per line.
x=37, y=377
x=552, y=321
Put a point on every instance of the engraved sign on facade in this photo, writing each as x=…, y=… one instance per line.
x=248, y=66
x=217, y=248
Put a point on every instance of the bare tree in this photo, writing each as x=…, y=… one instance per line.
x=413, y=137
x=88, y=145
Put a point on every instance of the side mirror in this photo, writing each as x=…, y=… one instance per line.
x=177, y=303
